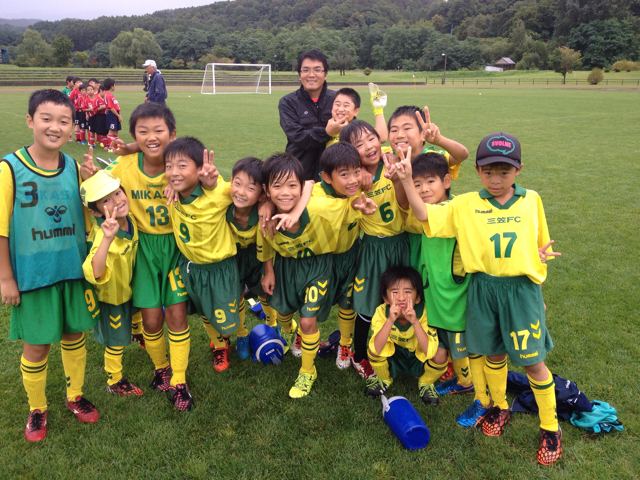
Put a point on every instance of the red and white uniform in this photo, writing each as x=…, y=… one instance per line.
x=90, y=103
x=112, y=102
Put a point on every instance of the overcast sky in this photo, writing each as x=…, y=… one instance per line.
x=57, y=10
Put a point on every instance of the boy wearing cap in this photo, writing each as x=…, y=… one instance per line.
x=504, y=245
x=157, y=88
x=112, y=245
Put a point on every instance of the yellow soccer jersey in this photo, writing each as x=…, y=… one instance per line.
x=404, y=337
x=6, y=190
x=114, y=285
x=500, y=240
x=387, y=219
x=147, y=202
x=244, y=236
x=320, y=225
x=200, y=224
x=350, y=230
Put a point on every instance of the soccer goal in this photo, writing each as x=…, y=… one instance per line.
x=236, y=78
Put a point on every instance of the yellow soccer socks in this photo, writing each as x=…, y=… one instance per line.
x=432, y=372
x=34, y=379
x=136, y=324
x=309, y=349
x=347, y=323
x=212, y=332
x=74, y=361
x=242, y=329
x=496, y=375
x=113, y=363
x=476, y=365
x=461, y=367
x=286, y=322
x=269, y=312
x=179, y=347
x=156, y=348
x=545, y=394
x=380, y=365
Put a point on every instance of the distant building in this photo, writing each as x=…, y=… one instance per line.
x=505, y=63
x=4, y=55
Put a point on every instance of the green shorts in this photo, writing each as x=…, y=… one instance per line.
x=455, y=342
x=415, y=248
x=302, y=284
x=377, y=254
x=213, y=289
x=342, y=274
x=404, y=362
x=45, y=314
x=506, y=315
x=250, y=269
x=156, y=281
x=114, y=327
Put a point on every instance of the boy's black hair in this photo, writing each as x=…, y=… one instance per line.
x=71, y=78
x=281, y=166
x=190, y=147
x=313, y=55
x=94, y=205
x=408, y=110
x=252, y=166
x=152, y=110
x=77, y=79
x=82, y=86
x=353, y=131
x=341, y=154
x=430, y=164
x=101, y=89
x=49, y=95
x=505, y=165
x=395, y=274
x=108, y=83
x=94, y=80
x=351, y=93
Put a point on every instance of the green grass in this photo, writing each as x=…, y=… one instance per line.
x=579, y=152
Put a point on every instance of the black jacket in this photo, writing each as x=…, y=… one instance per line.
x=304, y=125
x=157, y=89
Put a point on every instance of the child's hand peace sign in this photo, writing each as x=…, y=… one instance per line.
x=88, y=169
x=209, y=174
x=394, y=309
x=403, y=167
x=366, y=205
x=430, y=131
x=110, y=225
x=542, y=251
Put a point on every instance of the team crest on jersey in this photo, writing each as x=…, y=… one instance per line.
x=501, y=144
x=56, y=212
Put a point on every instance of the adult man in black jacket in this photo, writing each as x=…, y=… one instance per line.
x=157, y=89
x=305, y=115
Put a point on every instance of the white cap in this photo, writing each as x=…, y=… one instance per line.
x=150, y=63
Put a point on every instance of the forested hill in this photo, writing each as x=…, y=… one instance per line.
x=358, y=33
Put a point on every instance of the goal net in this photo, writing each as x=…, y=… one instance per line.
x=236, y=78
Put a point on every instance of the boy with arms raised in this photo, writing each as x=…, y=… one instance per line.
x=504, y=245
x=112, y=245
x=42, y=247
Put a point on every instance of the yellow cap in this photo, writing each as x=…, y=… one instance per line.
x=99, y=186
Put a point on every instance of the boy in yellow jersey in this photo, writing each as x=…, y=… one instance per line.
x=156, y=280
x=402, y=340
x=504, y=245
x=42, y=247
x=112, y=245
x=209, y=269
x=302, y=269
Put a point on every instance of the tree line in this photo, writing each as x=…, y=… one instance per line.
x=381, y=34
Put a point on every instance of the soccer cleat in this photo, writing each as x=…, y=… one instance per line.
x=37, y=426
x=221, y=358
x=242, y=347
x=550, y=449
x=83, y=143
x=296, y=348
x=83, y=409
x=181, y=397
x=288, y=337
x=343, y=358
x=364, y=368
x=303, y=384
x=428, y=394
x=376, y=387
x=451, y=387
x=161, y=379
x=139, y=338
x=124, y=388
x=473, y=416
x=494, y=422
x=449, y=373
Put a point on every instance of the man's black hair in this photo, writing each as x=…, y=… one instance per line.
x=281, y=166
x=353, y=131
x=313, y=55
x=430, y=164
x=398, y=273
x=71, y=78
x=408, y=110
x=351, y=93
x=338, y=155
x=152, y=110
x=190, y=147
x=49, y=95
x=108, y=83
x=252, y=166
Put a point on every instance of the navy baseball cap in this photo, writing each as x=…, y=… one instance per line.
x=499, y=147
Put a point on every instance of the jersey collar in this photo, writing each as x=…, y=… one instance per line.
x=304, y=221
x=419, y=309
x=121, y=233
x=194, y=196
x=329, y=190
x=141, y=166
x=253, y=218
x=23, y=154
x=519, y=192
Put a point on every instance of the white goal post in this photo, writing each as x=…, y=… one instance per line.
x=236, y=78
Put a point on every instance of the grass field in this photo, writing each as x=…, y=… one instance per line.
x=579, y=152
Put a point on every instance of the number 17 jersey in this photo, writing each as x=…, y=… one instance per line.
x=147, y=202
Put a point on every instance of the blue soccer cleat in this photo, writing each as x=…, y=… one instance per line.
x=451, y=386
x=474, y=415
x=242, y=347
